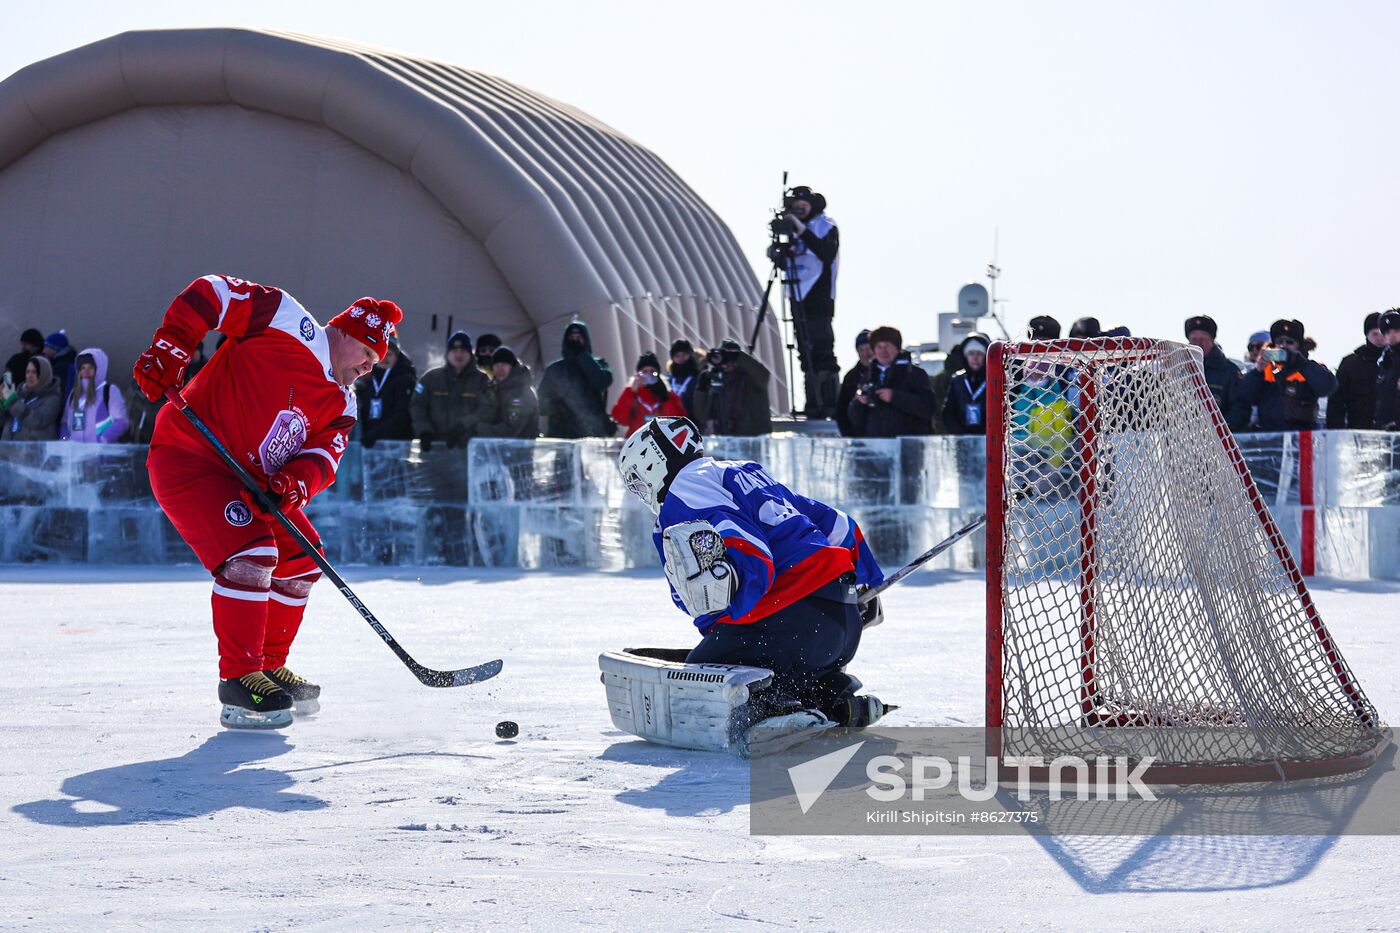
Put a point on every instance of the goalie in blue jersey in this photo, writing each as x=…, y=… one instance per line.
x=771, y=578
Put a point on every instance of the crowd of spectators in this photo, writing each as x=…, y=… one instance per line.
x=52, y=390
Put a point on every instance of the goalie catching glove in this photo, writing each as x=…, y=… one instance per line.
x=703, y=579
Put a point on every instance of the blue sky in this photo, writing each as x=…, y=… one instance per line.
x=1143, y=162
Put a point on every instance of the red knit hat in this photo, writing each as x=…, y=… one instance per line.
x=370, y=321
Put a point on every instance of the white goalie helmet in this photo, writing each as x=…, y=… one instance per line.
x=654, y=454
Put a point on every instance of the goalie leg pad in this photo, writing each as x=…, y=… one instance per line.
x=706, y=707
x=696, y=567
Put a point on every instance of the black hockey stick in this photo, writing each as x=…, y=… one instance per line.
x=426, y=675
x=924, y=558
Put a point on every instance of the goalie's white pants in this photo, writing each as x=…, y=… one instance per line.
x=655, y=695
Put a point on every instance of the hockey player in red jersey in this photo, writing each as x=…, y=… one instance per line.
x=279, y=395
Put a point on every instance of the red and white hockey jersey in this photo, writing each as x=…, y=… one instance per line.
x=269, y=392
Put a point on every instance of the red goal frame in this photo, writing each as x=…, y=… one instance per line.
x=1086, y=418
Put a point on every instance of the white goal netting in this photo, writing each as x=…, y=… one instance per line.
x=1148, y=602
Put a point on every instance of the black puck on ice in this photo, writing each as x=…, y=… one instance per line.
x=507, y=730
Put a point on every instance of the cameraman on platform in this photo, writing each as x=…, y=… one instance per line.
x=731, y=395
x=808, y=259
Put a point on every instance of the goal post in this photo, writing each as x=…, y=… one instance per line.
x=1141, y=599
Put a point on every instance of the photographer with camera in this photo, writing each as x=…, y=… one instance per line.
x=1285, y=384
x=731, y=395
x=646, y=397
x=898, y=401
x=805, y=245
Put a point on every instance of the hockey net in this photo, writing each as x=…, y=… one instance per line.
x=1141, y=599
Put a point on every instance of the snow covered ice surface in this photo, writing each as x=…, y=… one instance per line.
x=122, y=802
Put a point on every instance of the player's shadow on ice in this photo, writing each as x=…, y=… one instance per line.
x=695, y=783
x=202, y=781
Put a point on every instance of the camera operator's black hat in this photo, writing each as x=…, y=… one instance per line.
x=682, y=345
x=1201, y=322
x=804, y=193
x=1373, y=321
x=648, y=359
x=1281, y=328
x=504, y=355
x=460, y=340
x=1043, y=327
x=1390, y=321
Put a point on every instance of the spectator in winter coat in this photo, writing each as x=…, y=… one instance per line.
x=517, y=408
x=1287, y=388
x=96, y=409
x=31, y=344
x=646, y=397
x=1222, y=376
x=1257, y=342
x=486, y=346
x=898, y=400
x=965, y=411
x=1388, y=374
x=1353, y=405
x=941, y=382
x=731, y=395
x=451, y=400
x=683, y=371
x=61, y=355
x=574, y=389
x=857, y=376
x=385, y=398
x=32, y=411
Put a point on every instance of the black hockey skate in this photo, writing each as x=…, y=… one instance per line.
x=857, y=712
x=254, y=702
x=306, y=696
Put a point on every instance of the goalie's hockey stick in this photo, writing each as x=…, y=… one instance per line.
x=924, y=558
x=426, y=675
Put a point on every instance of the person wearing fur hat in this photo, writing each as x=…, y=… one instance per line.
x=32, y=410
x=517, y=409
x=1286, y=385
x=898, y=401
x=965, y=409
x=1353, y=405
x=279, y=396
x=810, y=263
x=1222, y=376
x=452, y=399
x=646, y=397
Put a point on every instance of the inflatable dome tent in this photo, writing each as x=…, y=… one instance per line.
x=132, y=165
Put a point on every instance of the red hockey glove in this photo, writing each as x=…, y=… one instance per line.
x=291, y=488
x=162, y=366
